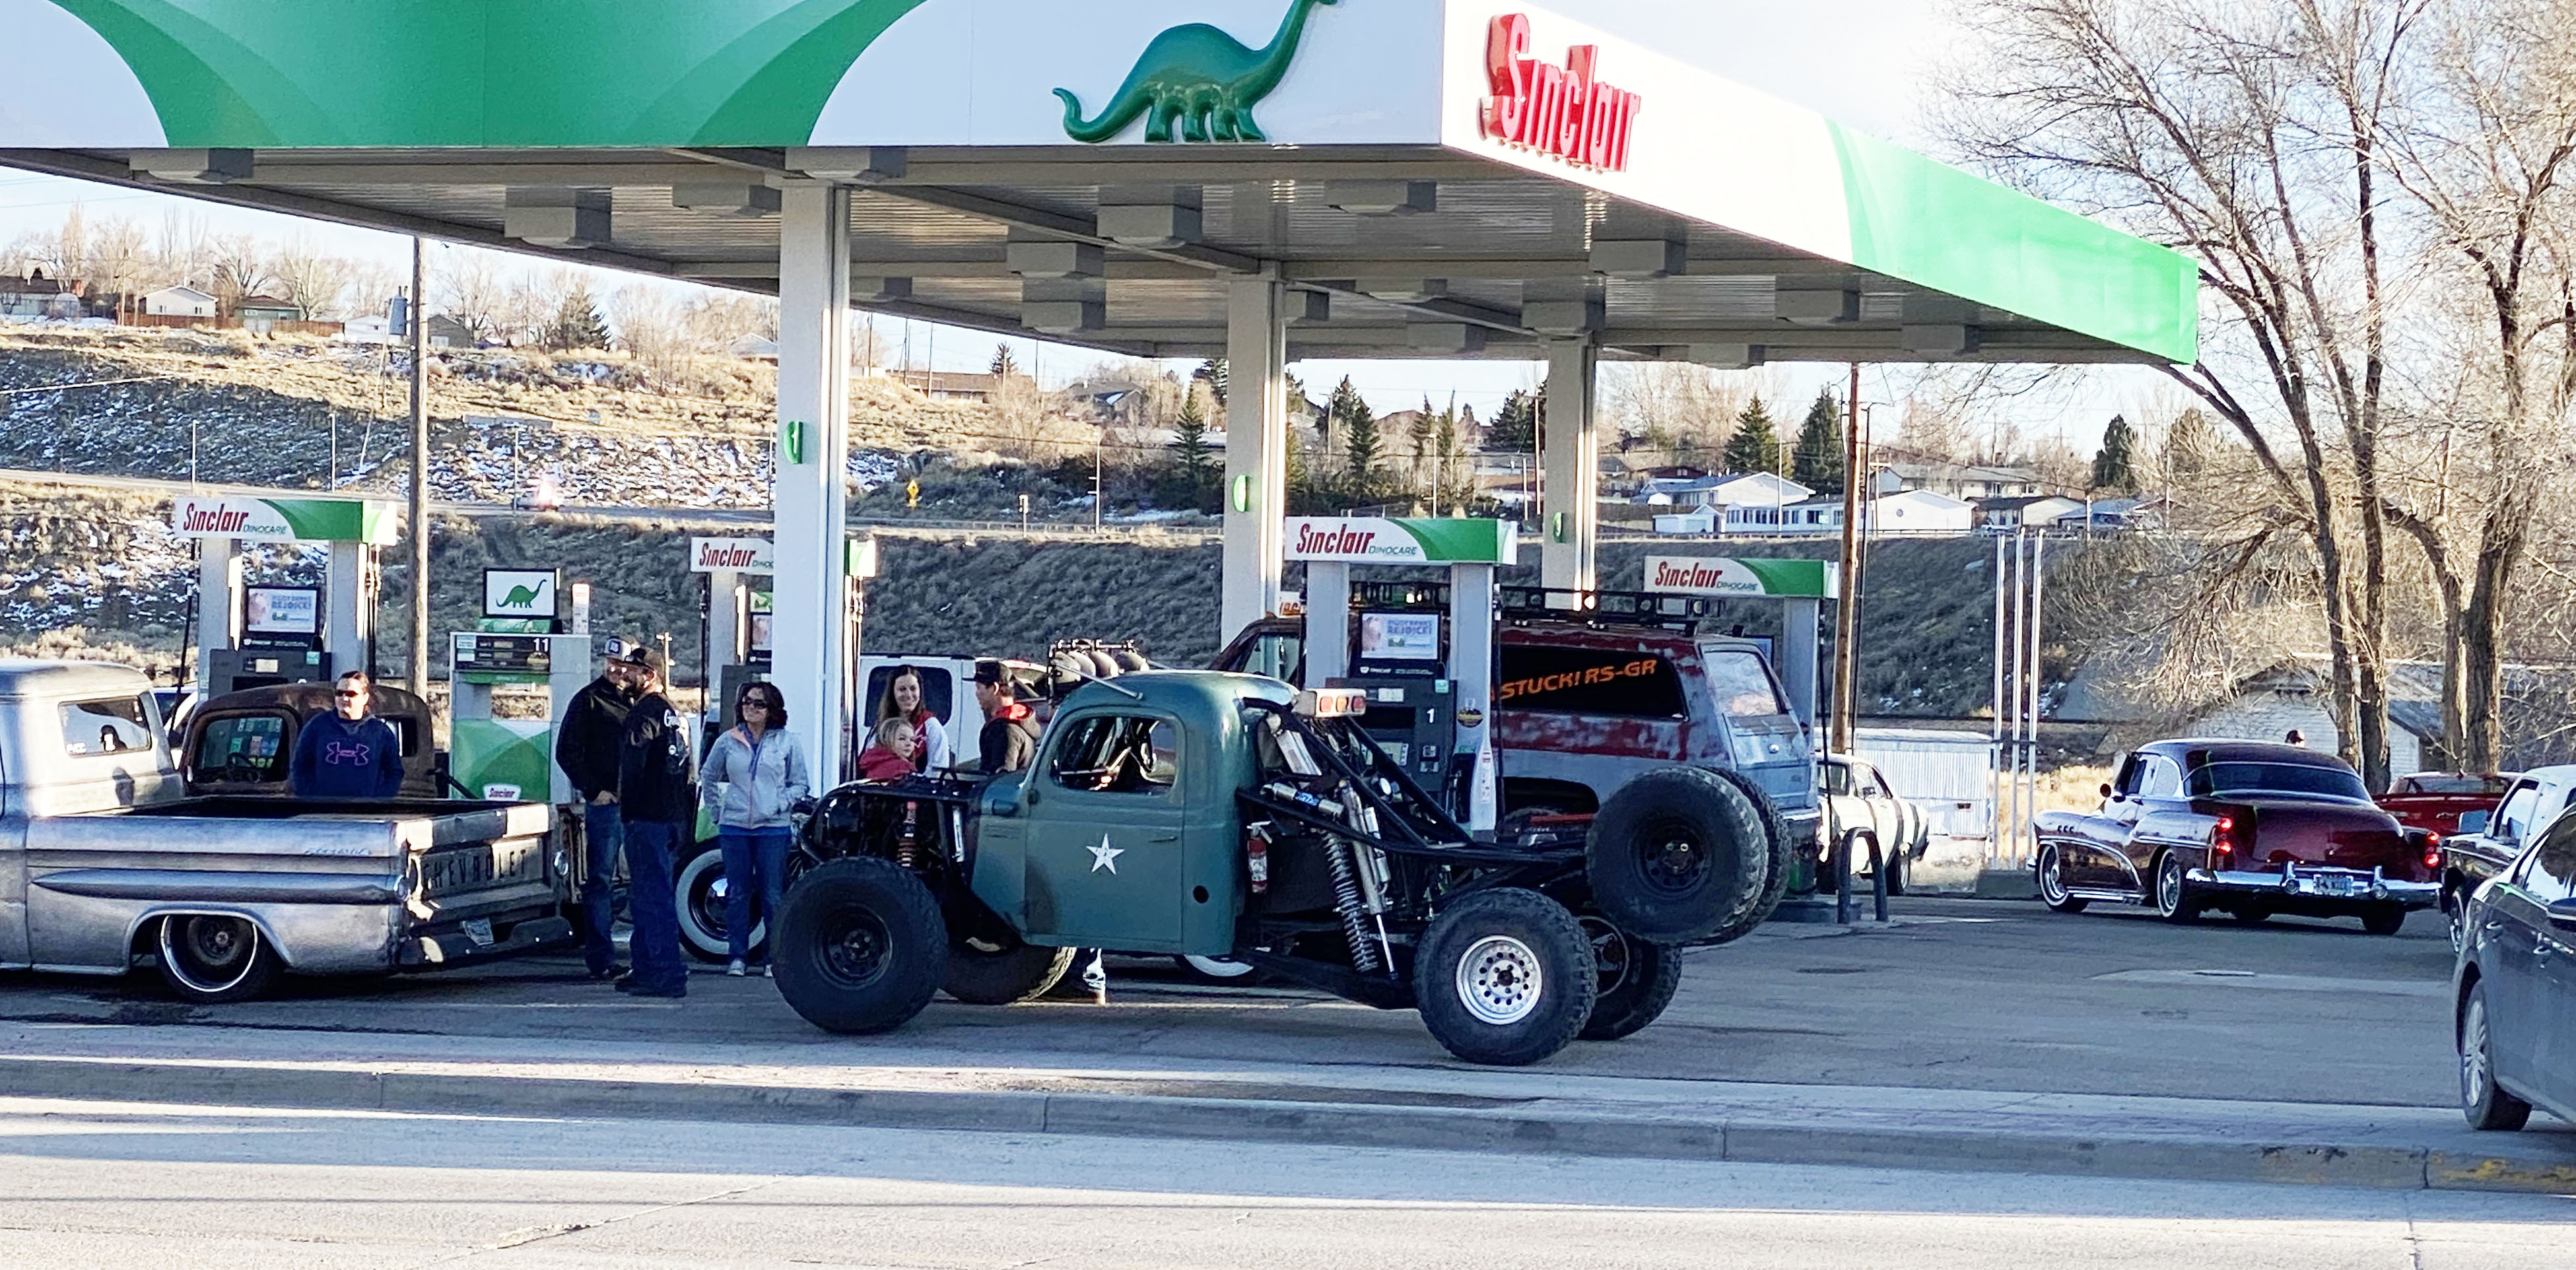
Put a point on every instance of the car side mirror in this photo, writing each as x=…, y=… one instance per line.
x=2563, y=915
x=2472, y=822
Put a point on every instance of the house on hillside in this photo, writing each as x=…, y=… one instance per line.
x=37, y=296
x=947, y=385
x=2041, y=512
x=261, y=314
x=1915, y=513
x=1968, y=482
x=1758, y=489
x=179, y=302
x=1919, y=513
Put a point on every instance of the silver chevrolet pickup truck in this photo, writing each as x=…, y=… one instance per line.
x=107, y=865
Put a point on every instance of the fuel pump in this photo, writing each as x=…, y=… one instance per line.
x=521, y=641
x=1428, y=668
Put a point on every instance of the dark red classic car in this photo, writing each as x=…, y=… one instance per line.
x=2251, y=828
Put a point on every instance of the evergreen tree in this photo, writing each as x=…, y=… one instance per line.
x=1817, y=463
x=1755, y=447
x=1189, y=438
x=1360, y=445
x=1515, y=429
x=1344, y=403
x=577, y=322
x=2114, y=465
x=1005, y=366
x=1212, y=373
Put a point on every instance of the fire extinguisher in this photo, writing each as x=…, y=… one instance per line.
x=1257, y=855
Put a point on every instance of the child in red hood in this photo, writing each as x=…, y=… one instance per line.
x=890, y=758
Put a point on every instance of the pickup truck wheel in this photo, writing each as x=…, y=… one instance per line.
x=1680, y=854
x=1637, y=980
x=2052, y=882
x=2482, y=1100
x=860, y=946
x=1217, y=971
x=2383, y=919
x=210, y=959
x=1505, y=977
x=996, y=968
x=2174, y=899
x=701, y=889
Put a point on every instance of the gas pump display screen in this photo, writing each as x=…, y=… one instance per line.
x=281, y=610
x=504, y=654
x=1399, y=637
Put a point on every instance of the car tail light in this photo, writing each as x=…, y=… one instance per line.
x=2432, y=851
x=2222, y=836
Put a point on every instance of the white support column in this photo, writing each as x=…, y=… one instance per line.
x=1328, y=621
x=810, y=592
x=1570, y=469
x=219, y=582
x=349, y=626
x=724, y=639
x=1798, y=620
x=1256, y=451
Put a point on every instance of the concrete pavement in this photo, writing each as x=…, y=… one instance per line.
x=138, y=1184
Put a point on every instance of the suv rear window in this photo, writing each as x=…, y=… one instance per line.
x=1588, y=681
x=242, y=747
x=1741, y=684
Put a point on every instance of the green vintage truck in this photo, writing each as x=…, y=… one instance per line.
x=1213, y=814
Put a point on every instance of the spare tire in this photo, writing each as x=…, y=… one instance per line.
x=1676, y=855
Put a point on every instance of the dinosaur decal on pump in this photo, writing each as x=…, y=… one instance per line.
x=1198, y=77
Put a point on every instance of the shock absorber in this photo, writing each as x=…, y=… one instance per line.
x=1354, y=913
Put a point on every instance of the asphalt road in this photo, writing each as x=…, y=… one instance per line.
x=133, y=1184
x=1959, y=994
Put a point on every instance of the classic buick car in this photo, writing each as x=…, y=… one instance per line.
x=2252, y=828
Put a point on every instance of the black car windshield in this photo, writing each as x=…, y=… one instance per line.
x=2276, y=778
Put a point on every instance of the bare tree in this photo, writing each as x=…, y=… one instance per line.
x=2243, y=133
x=314, y=279
x=118, y=252
x=2483, y=150
x=470, y=291
x=239, y=268
x=652, y=327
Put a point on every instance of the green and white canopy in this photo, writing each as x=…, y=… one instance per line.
x=1098, y=172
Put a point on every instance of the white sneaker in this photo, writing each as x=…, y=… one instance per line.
x=768, y=972
x=733, y=969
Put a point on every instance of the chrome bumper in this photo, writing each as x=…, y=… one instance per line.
x=2321, y=883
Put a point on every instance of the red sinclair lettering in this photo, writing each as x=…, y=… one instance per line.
x=1692, y=577
x=212, y=520
x=1340, y=541
x=1564, y=111
x=714, y=557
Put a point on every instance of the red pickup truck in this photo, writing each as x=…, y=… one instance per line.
x=2435, y=801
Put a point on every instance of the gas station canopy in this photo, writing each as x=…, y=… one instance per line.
x=1428, y=178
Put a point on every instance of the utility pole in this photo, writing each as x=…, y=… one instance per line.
x=1847, y=611
x=419, y=316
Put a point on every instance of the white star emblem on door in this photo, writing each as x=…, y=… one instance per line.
x=1105, y=856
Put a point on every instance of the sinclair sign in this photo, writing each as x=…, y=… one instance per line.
x=1567, y=111
x=1741, y=579
x=282, y=519
x=731, y=555
x=1383, y=540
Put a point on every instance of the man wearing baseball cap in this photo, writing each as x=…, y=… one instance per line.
x=658, y=802
x=586, y=749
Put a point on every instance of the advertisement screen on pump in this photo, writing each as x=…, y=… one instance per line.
x=281, y=610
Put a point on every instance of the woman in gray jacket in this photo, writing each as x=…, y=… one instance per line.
x=753, y=775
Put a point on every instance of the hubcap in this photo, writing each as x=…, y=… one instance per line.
x=208, y=953
x=856, y=947
x=2473, y=1055
x=1499, y=980
x=2051, y=884
x=2169, y=886
x=1673, y=859
x=1610, y=953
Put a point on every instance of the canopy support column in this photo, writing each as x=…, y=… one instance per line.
x=219, y=583
x=349, y=630
x=1256, y=451
x=1570, y=468
x=810, y=595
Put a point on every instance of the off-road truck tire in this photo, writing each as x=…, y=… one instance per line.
x=1678, y=854
x=1637, y=980
x=1781, y=862
x=996, y=968
x=1505, y=977
x=860, y=946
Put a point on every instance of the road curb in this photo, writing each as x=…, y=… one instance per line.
x=1486, y=1129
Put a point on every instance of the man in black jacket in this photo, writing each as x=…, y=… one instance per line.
x=1009, y=741
x=586, y=749
x=658, y=801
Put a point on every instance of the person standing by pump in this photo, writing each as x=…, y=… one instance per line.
x=348, y=753
x=753, y=777
x=1009, y=741
x=905, y=700
x=657, y=801
x=586, y=749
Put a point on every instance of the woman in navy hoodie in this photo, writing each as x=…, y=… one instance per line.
x=348, y=753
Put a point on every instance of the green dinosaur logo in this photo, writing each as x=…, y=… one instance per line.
x=521, y=597
x=1199, y=77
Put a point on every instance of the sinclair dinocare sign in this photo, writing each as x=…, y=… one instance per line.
x=1566, y=111
x=1386, y=540
x=283, y=519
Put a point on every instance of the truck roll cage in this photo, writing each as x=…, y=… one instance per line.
x=1516, y=605
x=1393, y=814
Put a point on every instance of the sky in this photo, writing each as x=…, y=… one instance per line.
x=1863, y=62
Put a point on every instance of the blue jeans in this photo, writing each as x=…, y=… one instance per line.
x=754, y=860
x=602, y=831
x=655, y=943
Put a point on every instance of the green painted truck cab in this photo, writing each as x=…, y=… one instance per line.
x=1125, y=833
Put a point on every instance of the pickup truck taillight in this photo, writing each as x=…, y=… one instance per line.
x=2433, y=851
